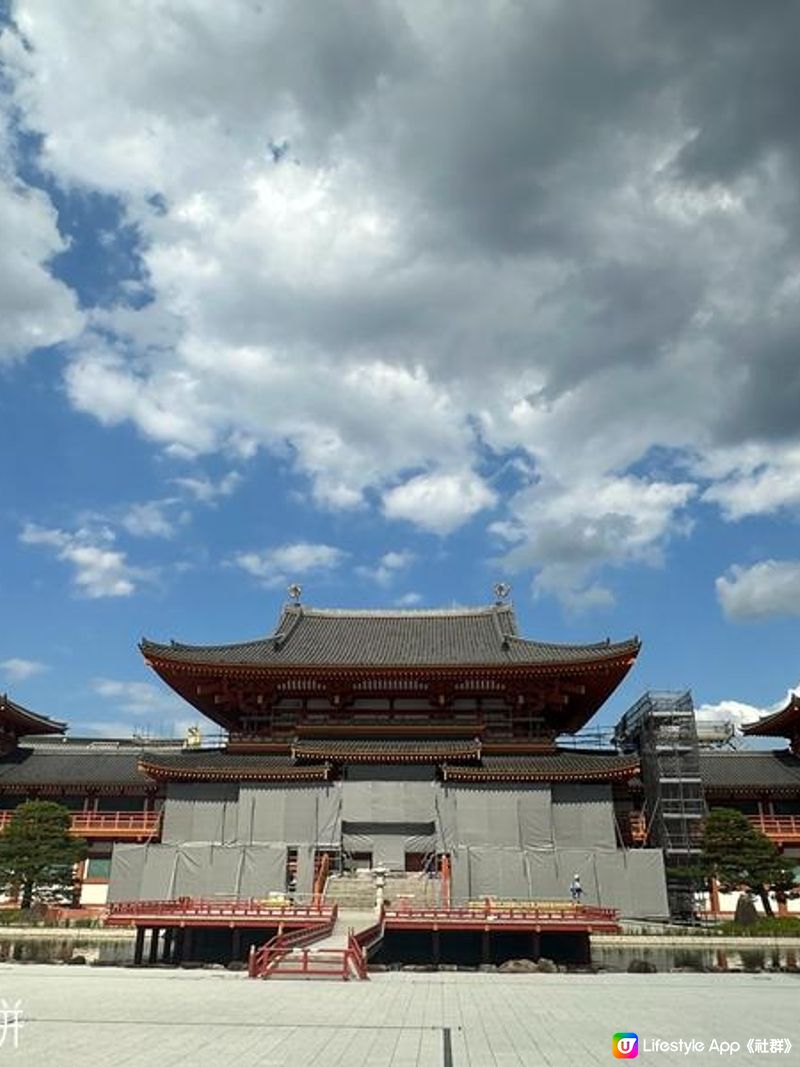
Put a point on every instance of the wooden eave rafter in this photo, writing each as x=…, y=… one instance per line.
x=159, y=772
x=572, y=690
x=479, y=774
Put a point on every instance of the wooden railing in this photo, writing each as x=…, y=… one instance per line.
x=783, y=828
x=106, y=823
x=226, y=907
x=547, y=914
x=779, y=828
x=265, y=961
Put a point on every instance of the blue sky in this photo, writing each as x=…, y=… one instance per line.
x=516, y=299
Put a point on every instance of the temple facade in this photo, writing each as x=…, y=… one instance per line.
x=394, y=740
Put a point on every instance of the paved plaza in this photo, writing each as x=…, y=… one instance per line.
x=115, y=1016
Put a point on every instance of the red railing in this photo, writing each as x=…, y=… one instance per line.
x=226, y=907
x=446, y=894
x=265, y=961
x=107, y=823
x=321, y=879
x=778, y=827
x=522, y=914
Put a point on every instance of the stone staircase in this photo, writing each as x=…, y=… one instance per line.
x=351, y=892
x=417, y=891
x=357, y=892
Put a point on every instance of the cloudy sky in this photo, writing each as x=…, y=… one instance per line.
x=395, y=300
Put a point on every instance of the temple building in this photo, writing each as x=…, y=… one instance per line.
x=393, y=740
x=402, y=741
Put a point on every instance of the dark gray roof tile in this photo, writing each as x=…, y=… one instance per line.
x=317, y=637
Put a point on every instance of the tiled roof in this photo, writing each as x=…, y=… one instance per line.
x=567, y=766
x=733, y=772
x=356, y=751
x=37, y=767
x=782, y=723
x=217, y=764
x=24, y=721
x=317, y=637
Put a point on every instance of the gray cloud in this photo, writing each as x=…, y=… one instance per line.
x=496, y=227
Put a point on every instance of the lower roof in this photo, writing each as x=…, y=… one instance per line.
x=734, y=773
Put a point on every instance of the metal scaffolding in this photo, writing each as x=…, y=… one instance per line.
x=661, y=729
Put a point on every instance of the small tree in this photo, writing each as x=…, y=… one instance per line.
x=37, y=852
x=739, y=856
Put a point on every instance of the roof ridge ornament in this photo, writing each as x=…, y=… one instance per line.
x=502, y=591
x=295, y=591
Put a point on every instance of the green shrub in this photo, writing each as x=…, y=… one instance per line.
x=781, y=926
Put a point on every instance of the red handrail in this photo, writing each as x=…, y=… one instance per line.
x=264, y=960
x=89, y=822
x=787, y=826
x=219, y=906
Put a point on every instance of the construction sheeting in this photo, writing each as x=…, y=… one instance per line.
x=518, y=816
x=263, y=870
x=164, y=872
x=499, y=872
x=290, y=815
x=387, y=801
x=127, y=864
x=200, y=811
x=583, y=816
x=158, y=874
x=304, y=878
x=543, y=878
x=632, y=882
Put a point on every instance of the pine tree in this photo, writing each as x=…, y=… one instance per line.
x=38, y=854
x=740, y=856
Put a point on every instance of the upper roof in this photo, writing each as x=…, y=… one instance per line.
x=777, y=771
x=19, y=720
x=442, y=637
x=782, y=723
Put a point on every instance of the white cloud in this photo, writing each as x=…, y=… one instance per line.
x=274, y=566
x=409, y=600
x=99, y=569
x=390, y=565
x=207, y=491
x=763, y=590
x=35, y=308
x=566, y=532
x=150, y=519
x=754, y=480
x=737, y=713
x=138, y=698
x=440, y=502
x=18, y=670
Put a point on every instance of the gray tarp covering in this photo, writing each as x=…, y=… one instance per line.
x=163, y=872
x=543, y=876
x=495, y=815
x=127, y=864
x=263, y=871
x=583, y=816
x=647, y=881
x=305, y=871
x=289, y=814
x=632, y=882
x=200, y=811
x=499, y=872
x=387, y=801
x=158, y=875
